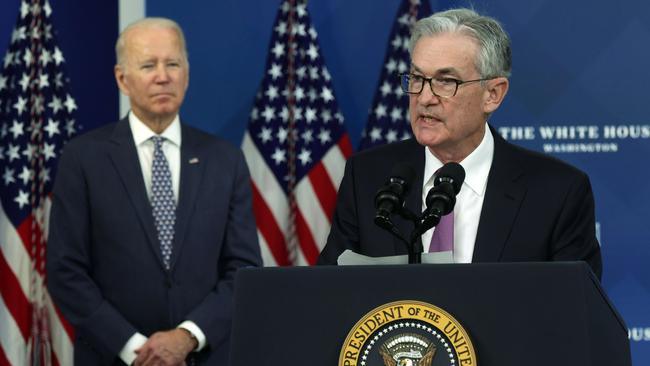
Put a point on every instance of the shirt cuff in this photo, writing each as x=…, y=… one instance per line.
x=127, y=354
x=191, y=327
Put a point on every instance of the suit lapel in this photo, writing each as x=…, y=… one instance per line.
x=414, y=155
x=125, y=158
x=504, y=194
x=192, y=165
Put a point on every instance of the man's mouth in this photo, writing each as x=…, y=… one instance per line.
x=163, y=95
x=429, y=118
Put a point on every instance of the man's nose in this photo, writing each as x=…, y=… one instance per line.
x=162, y=74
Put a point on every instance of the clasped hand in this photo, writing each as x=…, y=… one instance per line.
x=168, y=348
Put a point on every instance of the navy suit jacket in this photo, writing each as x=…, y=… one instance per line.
x=536, y=208
x=104, y=264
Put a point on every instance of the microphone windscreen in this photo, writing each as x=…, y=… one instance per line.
x=403, y=171
x=452, y=173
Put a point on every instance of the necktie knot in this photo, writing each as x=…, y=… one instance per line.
x=157, y=142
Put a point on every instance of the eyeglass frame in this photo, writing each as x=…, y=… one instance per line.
x=429, y=80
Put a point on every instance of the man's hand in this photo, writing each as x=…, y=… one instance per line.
x=165, y=348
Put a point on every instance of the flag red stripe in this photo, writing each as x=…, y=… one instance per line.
x=24, y=233
x=55, y=360
x=324, y=189
x=305, y=239
x=345, y=145
x=14, y=298
x=3, y=358
x=267, y=225
x=69, y=329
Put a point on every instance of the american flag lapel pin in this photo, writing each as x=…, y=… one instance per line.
x=194, y=161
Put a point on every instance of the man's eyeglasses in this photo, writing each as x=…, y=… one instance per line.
x=440, y=87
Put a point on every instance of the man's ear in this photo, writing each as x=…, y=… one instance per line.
x=120, y=78
x=495, y=90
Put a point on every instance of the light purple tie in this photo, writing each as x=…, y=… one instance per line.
x=443, y=236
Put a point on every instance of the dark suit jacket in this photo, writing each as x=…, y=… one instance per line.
x=536, y=208
x=104, y=264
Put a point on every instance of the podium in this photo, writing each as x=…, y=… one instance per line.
x=552, y=313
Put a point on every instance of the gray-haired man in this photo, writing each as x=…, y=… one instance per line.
x=514, y=205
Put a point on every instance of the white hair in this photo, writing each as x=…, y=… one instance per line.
x=151, y=22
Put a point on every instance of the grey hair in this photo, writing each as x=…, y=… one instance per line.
x=150, y=22
x=494, y=56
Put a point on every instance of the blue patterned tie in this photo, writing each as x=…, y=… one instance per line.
x=162, y=200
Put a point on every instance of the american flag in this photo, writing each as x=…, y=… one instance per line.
x=388, y=118
x=35, y=121
x=296, y=144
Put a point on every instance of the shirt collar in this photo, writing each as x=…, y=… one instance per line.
x=142, y=133
x=477, y=165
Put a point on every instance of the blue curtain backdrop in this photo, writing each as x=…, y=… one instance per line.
x=579, y=90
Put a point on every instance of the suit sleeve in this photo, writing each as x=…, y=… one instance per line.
x=344, y=233
x=69, y=265
x=240, y=249
x=574, y=237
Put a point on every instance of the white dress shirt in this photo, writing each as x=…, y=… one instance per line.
x=172, y=150
x=469, y=201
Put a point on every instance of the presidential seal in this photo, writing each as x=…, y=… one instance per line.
x=407, y=333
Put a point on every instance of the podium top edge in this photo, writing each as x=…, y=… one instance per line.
x=564, y=265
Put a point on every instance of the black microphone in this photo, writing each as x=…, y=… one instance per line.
x=390, y=197
x=442, y=197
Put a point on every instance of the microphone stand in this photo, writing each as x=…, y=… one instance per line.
x=414, y=245
x=393, y=230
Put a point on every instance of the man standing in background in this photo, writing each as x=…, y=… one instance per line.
x=150, y=220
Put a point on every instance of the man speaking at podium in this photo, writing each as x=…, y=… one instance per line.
x=514, y=204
